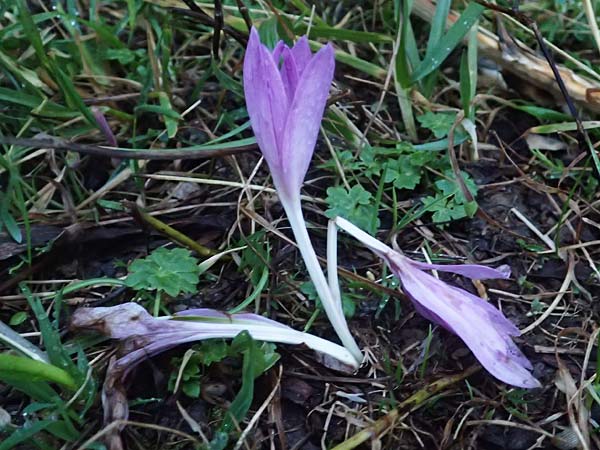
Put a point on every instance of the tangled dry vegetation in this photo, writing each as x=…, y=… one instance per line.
x=129, y=173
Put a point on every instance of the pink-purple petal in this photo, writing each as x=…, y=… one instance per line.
x=469, y=317
x=305, y=115
x=497, y=319
x=277, y=51
x=266, y=100
x=473, y=271
x=289, y=73
x=302, y=54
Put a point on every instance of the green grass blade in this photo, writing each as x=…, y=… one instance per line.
x=359, y=64
x=449, y=41
x=565, y=126
x=31, y=32
x=23, y=434
x=32, y=370
x=342, y=34
x=57, y=353
x=438, y=25
x=307, y=10
x=16, y=341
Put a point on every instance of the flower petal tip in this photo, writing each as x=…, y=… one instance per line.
x=254, y=37
x=328, y=50
x=504, y=270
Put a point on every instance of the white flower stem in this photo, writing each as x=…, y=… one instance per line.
x=331, y=303
x=192, y=330
x=332, y=274
x=374, y=244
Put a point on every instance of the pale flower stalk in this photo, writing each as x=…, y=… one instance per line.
x=483, y=328
x=286, y=91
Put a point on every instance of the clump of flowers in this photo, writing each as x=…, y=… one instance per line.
x=286, y=91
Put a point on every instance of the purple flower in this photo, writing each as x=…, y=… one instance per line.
x=483, y=328
x=144, y=336
x=286, y=91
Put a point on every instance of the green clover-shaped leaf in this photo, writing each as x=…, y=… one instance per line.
x=172, y=271
x=356, y=205
x=438, y=123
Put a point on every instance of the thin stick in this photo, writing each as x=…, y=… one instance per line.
x=259, y=412
x=243, y=9
x=205, y=19
x=413, y=402
x=54, y=143
x=563, y=290
x=549, y=242
x=218, y=26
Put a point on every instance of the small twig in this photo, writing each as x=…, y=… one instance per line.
x=289, y=33
x=545, y=239
x=97, y=150
x=410, y=404
x=243, y=9
x=144, y=218
x=218, y=26
x=259, y=412
x=205, y=19
x=192, y=5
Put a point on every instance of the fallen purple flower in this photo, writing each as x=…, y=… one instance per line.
x=286, y=91
x=483, y=328
x=146, y=336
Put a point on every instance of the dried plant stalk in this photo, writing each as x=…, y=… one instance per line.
x=517, y=58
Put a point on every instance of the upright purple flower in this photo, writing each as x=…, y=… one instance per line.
x=483, y=328
x=286, y=91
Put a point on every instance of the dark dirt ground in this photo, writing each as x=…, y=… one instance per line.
x=313, y=406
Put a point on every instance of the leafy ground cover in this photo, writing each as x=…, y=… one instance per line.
x=129, y=173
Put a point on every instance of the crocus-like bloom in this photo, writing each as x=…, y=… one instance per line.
x=483, y=328
x=286, y=91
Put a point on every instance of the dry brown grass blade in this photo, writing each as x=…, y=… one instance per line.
x=515, y=57
x=577, y=409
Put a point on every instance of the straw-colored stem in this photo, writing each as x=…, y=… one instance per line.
x=413, y=402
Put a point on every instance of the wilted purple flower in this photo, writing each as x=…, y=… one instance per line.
x=145, y=336
x=483, y=328
x=286, y=91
